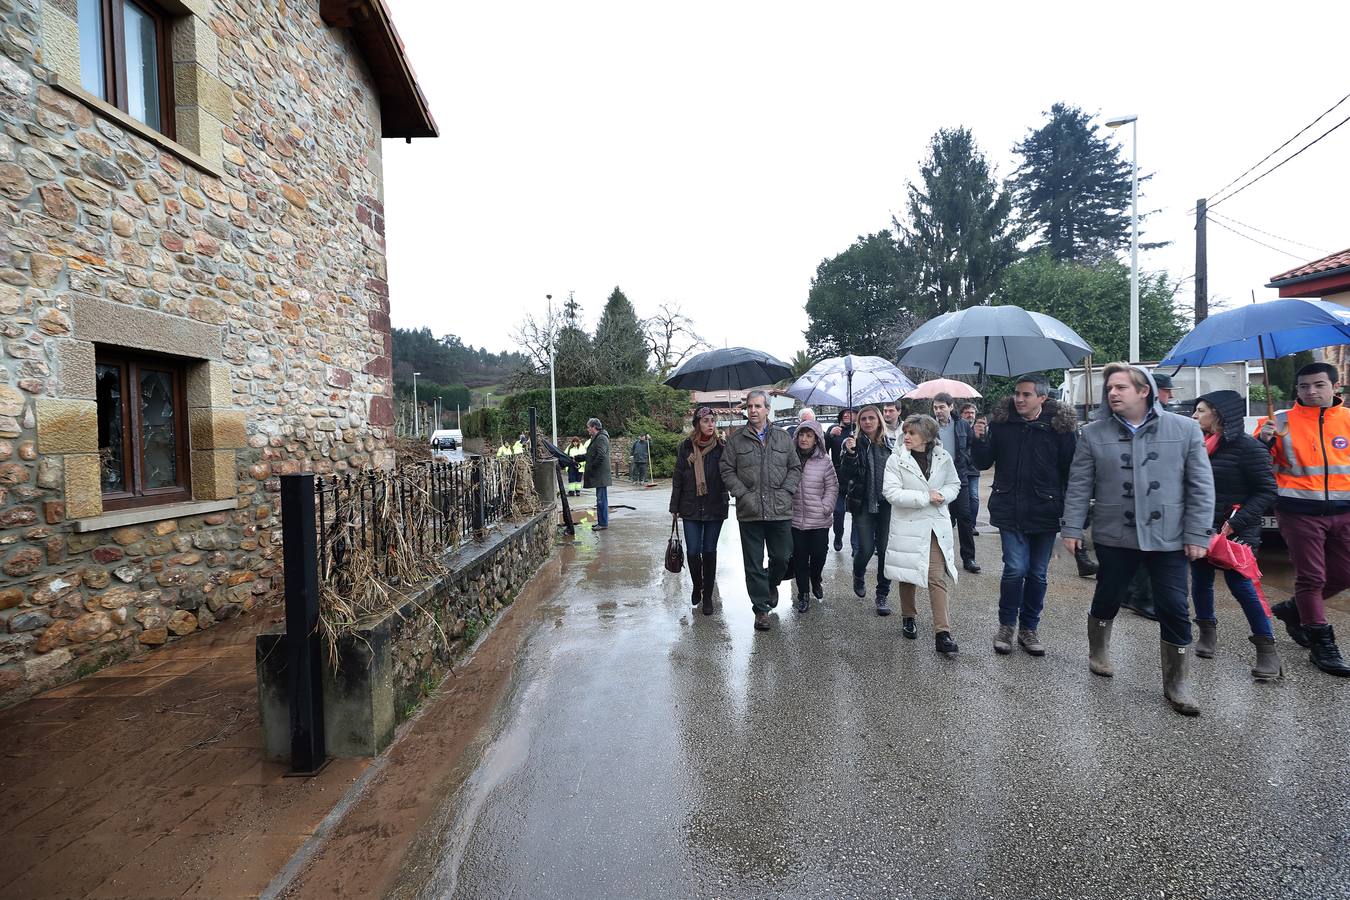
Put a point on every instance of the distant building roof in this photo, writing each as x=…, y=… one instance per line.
x=1335, y=264
x=404, y=111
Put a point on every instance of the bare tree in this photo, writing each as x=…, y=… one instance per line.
x=536, y=336
x=671, y=339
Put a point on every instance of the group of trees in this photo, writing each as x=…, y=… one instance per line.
x=446, y=366
x=623, y=348
x=1046, y=239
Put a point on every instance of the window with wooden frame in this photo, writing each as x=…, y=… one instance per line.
x=142, y=430
x=126, y=58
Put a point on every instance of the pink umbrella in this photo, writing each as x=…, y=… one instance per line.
x=929, y=389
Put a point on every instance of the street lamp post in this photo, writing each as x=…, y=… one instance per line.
x=552, y=388
x=1133, y=122
x=417, y=420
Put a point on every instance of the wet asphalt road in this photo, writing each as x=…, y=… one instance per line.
x=647, y=751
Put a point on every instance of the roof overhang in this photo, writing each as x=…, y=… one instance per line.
x=1328, y=275
x=404, y=112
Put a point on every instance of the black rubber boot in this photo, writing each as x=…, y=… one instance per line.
x=1208, y=641
x=1268, y=665
x=696, y=575
x=1287, y=612
x=1086, y=566
x=1176, y=669
x=1325, y=654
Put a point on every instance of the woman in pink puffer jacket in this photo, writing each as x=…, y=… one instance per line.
x=812, y=512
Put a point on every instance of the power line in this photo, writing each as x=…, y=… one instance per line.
x=1279, y=148
x=1234, y=221
x=1277, y=166
x=1255, y=241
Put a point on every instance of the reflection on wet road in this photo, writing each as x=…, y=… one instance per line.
x=647, y=751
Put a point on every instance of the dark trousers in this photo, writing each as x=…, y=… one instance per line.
x=1167, y=571
x=1319, y=548
x=840, y=508
x=961, y=514
x=808, y=555
x=974, y=486
x=874, y=530
x=756, y=538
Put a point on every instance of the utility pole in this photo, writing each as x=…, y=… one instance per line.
x=1201, y=270
x=552, y=383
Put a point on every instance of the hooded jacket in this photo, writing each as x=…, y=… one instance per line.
x=1032, y=461
x=813, y=504
x=1153, y=488
x=1242, y=472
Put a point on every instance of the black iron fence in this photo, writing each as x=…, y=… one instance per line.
x=395, y=524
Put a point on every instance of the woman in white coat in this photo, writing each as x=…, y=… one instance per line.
x=920, y=484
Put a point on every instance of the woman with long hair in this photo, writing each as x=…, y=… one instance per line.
x=698, y=495
x=862, y=470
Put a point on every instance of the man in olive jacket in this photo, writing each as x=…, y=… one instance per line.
x=1148, y=471
x=598, y=474
x=761, y=468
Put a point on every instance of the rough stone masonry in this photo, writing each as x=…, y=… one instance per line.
x=249, y=249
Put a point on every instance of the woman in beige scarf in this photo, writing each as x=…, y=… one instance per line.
x=698, y=496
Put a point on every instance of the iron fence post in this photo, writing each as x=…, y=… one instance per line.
x=300, y=557
x=479, y=501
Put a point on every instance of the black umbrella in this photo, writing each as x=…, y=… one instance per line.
x=731, y=368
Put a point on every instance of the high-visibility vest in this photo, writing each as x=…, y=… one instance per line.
x=504, y=450
x=585, y=446
x=578, y=454
x=1312, y=452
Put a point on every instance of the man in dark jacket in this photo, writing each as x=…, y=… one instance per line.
x=956, y=435
x=834, y=442
x=761, y=469
x=1030, y=440
x=598, y=474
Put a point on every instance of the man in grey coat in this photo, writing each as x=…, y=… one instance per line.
x=598, y=472
x=761, y=468
x=1149, y=473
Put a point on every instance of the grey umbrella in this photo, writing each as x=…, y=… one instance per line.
x=993, y=340
x=731, y=368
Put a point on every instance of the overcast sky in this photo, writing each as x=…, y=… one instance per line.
x=712, y=154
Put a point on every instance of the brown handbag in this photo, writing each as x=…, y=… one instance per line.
x=674, y=548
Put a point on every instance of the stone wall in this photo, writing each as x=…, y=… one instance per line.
x=252, y=249
x=387, y=668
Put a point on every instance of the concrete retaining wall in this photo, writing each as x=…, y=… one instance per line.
x=392, y=662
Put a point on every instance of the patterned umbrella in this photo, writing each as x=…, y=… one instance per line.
x=846, y=380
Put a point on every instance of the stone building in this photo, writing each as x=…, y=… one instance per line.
x=193, y=302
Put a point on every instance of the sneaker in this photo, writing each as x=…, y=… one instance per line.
x=761, y=621
x=908, y=627
x=883, y=606
x=944, y=643
x=1003, y=640
x=1029, y=641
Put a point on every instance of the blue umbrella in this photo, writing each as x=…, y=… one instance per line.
x=846, y=380
x=1260, y=330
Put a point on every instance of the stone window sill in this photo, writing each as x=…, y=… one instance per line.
x=108, y=111
x=124, y=517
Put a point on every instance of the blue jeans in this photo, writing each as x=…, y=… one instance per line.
x=874, y=531
x=602, y=506
x=1166, y=574
x=701, y=537
x=974, y=485
x=1021, y=592
x=1202, y=592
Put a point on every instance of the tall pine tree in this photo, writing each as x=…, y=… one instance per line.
x=1073, y=188
x=574, y=359
x=960, y=230
x=620, y=346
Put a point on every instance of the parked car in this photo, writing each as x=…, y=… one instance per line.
x=445, y=443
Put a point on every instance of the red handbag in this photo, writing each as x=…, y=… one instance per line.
x=1224, y=553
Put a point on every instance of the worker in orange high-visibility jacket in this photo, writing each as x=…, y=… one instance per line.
x=1310, y=445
